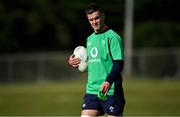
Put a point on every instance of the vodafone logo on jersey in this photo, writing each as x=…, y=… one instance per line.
x=94, y=52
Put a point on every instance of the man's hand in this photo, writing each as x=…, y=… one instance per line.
x=105, y=87
x=74, y=62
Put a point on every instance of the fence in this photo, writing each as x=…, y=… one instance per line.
x=162, y=63
x=35, y=67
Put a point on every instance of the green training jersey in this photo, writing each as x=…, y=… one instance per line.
x=102, y=48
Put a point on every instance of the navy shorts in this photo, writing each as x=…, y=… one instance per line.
x=114, y=105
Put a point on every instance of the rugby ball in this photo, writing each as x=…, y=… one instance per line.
x=81, y=52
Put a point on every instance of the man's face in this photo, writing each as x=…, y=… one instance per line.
x=96, y=19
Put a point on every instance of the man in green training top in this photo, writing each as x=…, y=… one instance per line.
x=105, y=64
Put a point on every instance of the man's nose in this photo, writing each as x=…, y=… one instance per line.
x=94, y=21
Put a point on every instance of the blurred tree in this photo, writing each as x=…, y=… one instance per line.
x=157, y=10
x=157, y=23
x=41, y=25
x=157, y=34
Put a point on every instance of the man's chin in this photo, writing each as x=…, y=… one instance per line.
x=96, y=29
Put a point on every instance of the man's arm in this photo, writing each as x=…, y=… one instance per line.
x=113, y=75
x=116, y=70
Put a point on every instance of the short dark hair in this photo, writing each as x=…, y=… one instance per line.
x=92, y=8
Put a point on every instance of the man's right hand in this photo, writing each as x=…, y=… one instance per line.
x=74, y=62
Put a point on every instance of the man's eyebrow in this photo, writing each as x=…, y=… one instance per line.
x=97, y=17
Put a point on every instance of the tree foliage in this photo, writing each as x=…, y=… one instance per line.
x=41, y=25
x=156, y=23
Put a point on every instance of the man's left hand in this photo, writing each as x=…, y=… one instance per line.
x=105, y=87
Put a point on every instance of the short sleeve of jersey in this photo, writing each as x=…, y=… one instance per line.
x=116, y=47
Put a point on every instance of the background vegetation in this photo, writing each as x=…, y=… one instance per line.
x=45, y=25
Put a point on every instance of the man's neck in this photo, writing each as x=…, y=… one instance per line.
x=104, y=28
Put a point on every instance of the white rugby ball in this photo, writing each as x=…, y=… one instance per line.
x=81, y=52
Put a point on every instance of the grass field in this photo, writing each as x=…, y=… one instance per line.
x=143, y=97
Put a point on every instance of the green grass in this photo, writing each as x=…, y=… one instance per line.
x=143, y=97
x=41, y=99
x=152, y=97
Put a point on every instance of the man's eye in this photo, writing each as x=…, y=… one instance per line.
x=96, y=18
